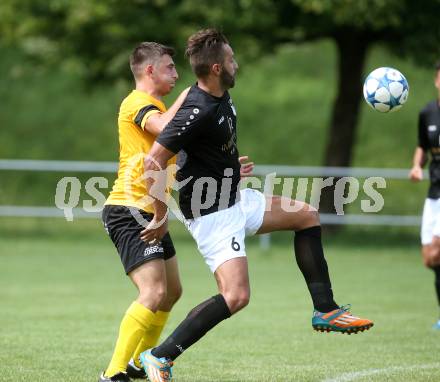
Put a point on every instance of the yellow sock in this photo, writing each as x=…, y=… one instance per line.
x=136, y=321
x=151, y=336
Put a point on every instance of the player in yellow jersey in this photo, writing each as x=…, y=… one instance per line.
x=152, y=267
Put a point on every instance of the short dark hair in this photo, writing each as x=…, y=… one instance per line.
x=204, y=49
x=147, y=53
x=437, y=66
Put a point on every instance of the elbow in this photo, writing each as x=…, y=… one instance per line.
x=155, y=125
x=156, y=129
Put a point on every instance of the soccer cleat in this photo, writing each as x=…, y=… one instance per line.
x=436, y=326
x=135, y=372
x=157, y=369
x=340, y=320
x=120, y=377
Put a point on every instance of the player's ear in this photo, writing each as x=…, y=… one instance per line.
x=216, y=68
x=148, y=70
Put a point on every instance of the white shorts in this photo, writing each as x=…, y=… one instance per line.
x=220, y=235
x=430, y=220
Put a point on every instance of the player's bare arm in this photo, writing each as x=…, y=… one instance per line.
x=157, y=122
x=156, y=163
x=419, y=160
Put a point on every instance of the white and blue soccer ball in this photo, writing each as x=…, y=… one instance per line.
x=386, y=89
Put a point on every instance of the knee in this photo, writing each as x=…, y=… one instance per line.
x=431, y=255
x=435, y=257
x=426, y=256
x=153, y=298
x=177, y=293
x=310, y=218
x=174, y=294
x=426, y=262
x=237, y=300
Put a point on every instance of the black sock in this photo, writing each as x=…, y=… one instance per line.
x=436, y=270
x=196, y=324
x=310, y=259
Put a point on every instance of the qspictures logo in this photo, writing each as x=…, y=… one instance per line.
x=206, y=191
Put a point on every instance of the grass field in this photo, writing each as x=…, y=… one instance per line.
x=63, y=292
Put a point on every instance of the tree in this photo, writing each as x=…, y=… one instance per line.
x=406, y=27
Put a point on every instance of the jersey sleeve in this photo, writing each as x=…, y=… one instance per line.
x=184, y=128
x=423, y=141
x=141, y=116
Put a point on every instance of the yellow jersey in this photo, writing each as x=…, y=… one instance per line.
x=135, y=142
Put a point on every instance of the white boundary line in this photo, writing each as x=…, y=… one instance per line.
x=354, y=375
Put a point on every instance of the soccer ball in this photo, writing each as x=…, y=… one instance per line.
x=386, y=89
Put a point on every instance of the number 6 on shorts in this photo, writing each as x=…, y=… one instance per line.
x=235, y=246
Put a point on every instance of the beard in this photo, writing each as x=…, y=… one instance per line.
x=227, y=80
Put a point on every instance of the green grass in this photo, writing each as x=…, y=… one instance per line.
x=63, y=292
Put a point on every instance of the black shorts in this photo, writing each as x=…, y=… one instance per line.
x=124, y=230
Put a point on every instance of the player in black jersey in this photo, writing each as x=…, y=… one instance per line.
x=219, y=215
x=429, y=141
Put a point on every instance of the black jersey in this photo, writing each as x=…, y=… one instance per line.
x=203, y=132
x=429, y=140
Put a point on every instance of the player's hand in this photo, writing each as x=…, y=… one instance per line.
x=246, y=167
x=155, y=231
x=416, y=174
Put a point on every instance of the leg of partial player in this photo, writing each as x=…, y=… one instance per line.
x=431, y=259
x=284, y=214
x=431, y=252
x=436, y=270
x=233, y=283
